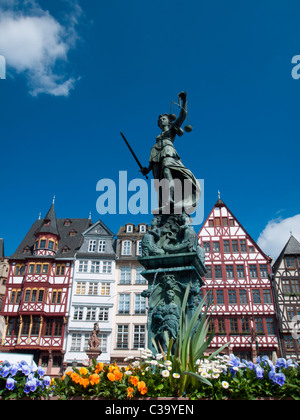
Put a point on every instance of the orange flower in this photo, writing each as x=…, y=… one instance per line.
x=142, y=387
x=129, y=392
x=83, y=371
x=118, y=375
x=99, y=367
x=84, y=381
x=75, y=377
x=94, y=379
x=134, y=380
x=111, y=377
x=113, y=367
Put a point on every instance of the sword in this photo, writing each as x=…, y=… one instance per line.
x=132, y=152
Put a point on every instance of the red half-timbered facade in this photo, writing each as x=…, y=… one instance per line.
x=238, y=286
x=37, y=295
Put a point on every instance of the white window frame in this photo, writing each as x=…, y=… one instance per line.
x=126, y=247
x=102, y=245
x=92, y=245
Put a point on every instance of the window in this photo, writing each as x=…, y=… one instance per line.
x=105, y=289
x=76, y=342
x=235, y=247
x=233, y=326
x=43, y=244
x=129, y=228
x=139, y=336
x=209, y=297
x=259, y=325
x=206, y=246
x=229, y=271
x=245, y=326
x=143, y=228
x=27, y=295
x=103, y=314
x=31, y=269
x=72, y=232
x=256, y=296
x=263, y=270
x=126, y=248
x=295, y=285
x=65, y=250
x=122, y=336
x=208, y=274
x=243, y=297
x=211, y=223
x=231, y=222
x=107, y=267
x=216, y=246
x=60, y=269
x=41, y=296
x=80, y=288
x=267, y=296
x=35, y=328
x=92, y=246
x=20, y=270
x=91, y=314
x=139, y=304
x=45, y=268
x=12, y=297
x=240, y=271
x=95, y=267
x=67, y=222
x=243, y=245
x=102, y=246
x=93, y=288
x=290, y=262
x=221, y=326
x=217, y=221
x=270, y=326
x=139, y=248
x=38, y=269
x=139, y=279
x=50, y=245
x=125, y=277
x=226, y=246
x=124, y=303
x=251, y=248
x=218, y=271
x=83, y=266
x=33, y=295
x=225, y=221
x=220, y=297
x=232, y=297
x=78, y=313
x=253, y=271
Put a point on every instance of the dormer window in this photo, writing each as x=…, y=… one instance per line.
x=26, y=250
x=72, y=232
x=129, y=228
x=67, y=222
x=143, y=228
x=46, y=222
x=65, y=250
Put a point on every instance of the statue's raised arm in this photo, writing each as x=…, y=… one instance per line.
x=182, y=96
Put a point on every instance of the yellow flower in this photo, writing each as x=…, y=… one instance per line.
x=75, y=377
x=83, y=371
x=118, y=375
x=129, y=392
x=84, y=382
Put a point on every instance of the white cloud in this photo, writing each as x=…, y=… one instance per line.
x=276, y=234
x=36, y=44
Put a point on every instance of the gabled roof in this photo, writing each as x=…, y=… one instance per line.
x=220, y=203
x=98, y=228
x=292, y=247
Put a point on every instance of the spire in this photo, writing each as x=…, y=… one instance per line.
x=49, y=224
x=220, y=202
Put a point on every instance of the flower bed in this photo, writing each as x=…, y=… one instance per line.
x=154, y=377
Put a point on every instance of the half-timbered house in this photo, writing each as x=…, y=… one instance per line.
x=238, y=286
x=286, y=285
x=38, y=289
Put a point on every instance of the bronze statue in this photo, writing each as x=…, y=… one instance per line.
x=166, y=164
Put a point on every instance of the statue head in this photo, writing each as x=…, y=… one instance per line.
x=163, y=121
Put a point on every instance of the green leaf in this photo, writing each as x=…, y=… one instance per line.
x=200, y=378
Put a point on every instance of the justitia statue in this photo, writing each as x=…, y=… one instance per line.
x=166, y=164
x=171, y=255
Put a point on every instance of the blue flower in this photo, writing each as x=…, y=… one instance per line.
x=27, y=388
x=259, y=372
x=280, y=379
x=14, y=369
x=250, y=365
x=272, y=375
x=32, y=385
x=281, y=363
x=47, y=380
x=25, y=369
x=5, y=371
x=41, y=372
x=10, y=384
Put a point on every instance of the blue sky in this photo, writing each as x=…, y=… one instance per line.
x=79, y=72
